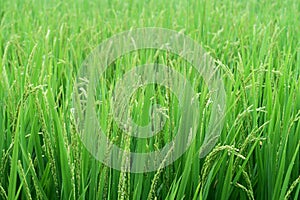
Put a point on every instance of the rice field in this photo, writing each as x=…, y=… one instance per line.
x=255, y=46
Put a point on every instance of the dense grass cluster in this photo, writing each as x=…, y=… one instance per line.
x=256, y=45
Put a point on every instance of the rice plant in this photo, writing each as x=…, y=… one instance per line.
x=256, y=48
